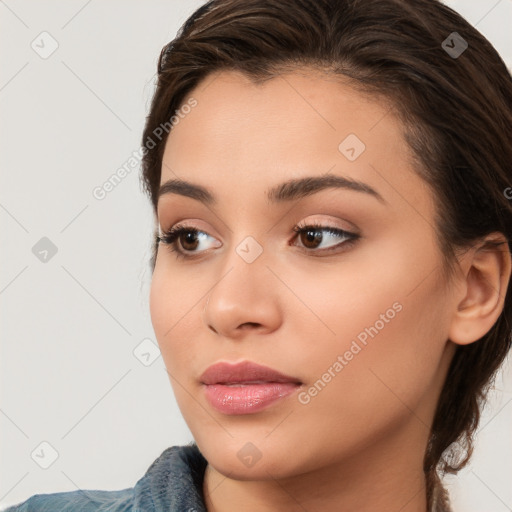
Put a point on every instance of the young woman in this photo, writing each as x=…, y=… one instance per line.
x=331, y=182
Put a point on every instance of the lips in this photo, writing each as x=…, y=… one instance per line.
x=245, y=388
x=246, y=373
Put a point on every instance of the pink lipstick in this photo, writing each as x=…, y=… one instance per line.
x=246, y=387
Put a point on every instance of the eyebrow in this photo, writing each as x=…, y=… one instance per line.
x=287, y=191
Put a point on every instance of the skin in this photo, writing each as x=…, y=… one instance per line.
x=359, y=443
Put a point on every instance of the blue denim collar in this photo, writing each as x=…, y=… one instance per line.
x=173, y=482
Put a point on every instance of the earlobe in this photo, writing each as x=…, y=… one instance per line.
x=486, y=278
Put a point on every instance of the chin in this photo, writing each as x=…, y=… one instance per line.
x=243, y=459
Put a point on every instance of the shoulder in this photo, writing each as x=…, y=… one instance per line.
x=172, y=483
x=83, y=500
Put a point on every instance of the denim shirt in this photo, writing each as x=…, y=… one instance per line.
x=173, y=483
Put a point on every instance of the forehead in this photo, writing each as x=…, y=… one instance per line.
x=249, y=136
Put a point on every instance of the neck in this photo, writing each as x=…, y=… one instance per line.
x=384, y=476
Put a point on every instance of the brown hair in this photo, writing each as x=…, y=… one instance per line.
x=456, y=112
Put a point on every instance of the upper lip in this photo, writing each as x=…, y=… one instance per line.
x=246, y=371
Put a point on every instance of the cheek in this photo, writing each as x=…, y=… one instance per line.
x=161, y=303
x=383, y=331
x=174, y=316
x=360, y=392
x=174, y=308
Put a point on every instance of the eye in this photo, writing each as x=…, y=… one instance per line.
x=310, y=235
x=189, y=238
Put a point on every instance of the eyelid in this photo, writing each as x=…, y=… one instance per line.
x=329, y=224
x=186, y=224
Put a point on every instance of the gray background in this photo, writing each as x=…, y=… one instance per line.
x=70, y=325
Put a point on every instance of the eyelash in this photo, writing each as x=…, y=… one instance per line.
x=170, y=237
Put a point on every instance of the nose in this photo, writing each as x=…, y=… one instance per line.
x=244, y=300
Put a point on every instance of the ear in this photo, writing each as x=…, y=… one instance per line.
x=481, y=296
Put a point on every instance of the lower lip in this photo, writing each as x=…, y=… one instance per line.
x=248, y=398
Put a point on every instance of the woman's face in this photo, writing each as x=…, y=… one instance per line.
x=361, y=323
